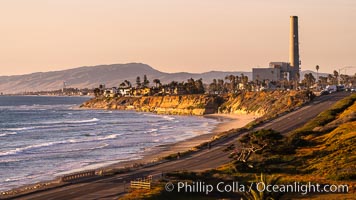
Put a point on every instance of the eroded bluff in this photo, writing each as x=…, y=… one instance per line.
x=258, y=103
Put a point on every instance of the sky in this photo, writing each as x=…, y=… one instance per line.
x=174, y=35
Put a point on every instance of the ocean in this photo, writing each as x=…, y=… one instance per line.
x=44, y=137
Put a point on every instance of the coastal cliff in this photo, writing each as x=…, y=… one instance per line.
x=173, y=105
x=257, y=103
x=266, y=104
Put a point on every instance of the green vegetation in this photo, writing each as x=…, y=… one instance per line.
x=323, y=147
x=323, y=118
x=144, y=193
x=267, y=104
x=322, y=151
x=326, y=144
x=262, y=151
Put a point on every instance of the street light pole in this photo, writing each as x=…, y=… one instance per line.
x=344, y=68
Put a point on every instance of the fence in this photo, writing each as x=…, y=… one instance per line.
x=141, y=183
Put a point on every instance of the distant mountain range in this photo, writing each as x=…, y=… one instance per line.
x=110, y=75
x=90, y=77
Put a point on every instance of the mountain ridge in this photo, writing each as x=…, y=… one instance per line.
x=91, y=76
x=110, y=74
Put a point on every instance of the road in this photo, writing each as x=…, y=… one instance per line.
x=113, y=186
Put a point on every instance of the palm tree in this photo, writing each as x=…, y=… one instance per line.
x=227, y=77
x=157, y=82
x=145, y=81
x=199, y=86
x=173, y=84
x=232, y=83
x=138, y=82
x=330, y=79
x=309, y=79
x=190, y=86
x=336, y=75
x=128, y=83
x=213, y=87
x=323, y=81
x=122, y=85
x=96, y=92
x=221, y=86
x=245, y=79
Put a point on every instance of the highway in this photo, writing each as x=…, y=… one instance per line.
x=111, y=187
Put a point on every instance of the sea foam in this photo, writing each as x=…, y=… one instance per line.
x=46, y=144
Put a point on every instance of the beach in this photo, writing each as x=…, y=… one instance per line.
x=231, y=121
x=227, y=122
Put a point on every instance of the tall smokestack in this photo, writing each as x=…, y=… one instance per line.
x=294, y=46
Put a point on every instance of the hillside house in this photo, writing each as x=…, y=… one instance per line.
x=125, y=92
x=112, y=92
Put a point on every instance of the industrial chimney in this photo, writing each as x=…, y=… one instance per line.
x=294, y=47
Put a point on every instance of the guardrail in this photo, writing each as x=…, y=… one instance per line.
x=79, y=175
x=43, y=185
x=141, y=183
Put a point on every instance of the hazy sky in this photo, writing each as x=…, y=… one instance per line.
x=173, y=35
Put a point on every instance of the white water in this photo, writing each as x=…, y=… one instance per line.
x=42, y=137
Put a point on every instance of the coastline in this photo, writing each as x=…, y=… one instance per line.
x=231, y=121
x=153, y=155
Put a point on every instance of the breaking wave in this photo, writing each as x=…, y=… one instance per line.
x=6, y=134
x=46, y=144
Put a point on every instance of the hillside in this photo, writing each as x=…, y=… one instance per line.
x=323, y=147
x=90, y=77
x=320, y=152
x=263, y=103
x=327, y=144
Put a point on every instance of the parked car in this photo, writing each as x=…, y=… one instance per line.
x=340, y=88
x=331, y=88
x=350, y=89
x=324, y=92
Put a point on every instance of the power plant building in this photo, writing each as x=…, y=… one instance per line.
x=271, y=74
x=283, y=70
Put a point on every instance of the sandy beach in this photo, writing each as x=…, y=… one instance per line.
x=231, y=121
x=227, y=122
